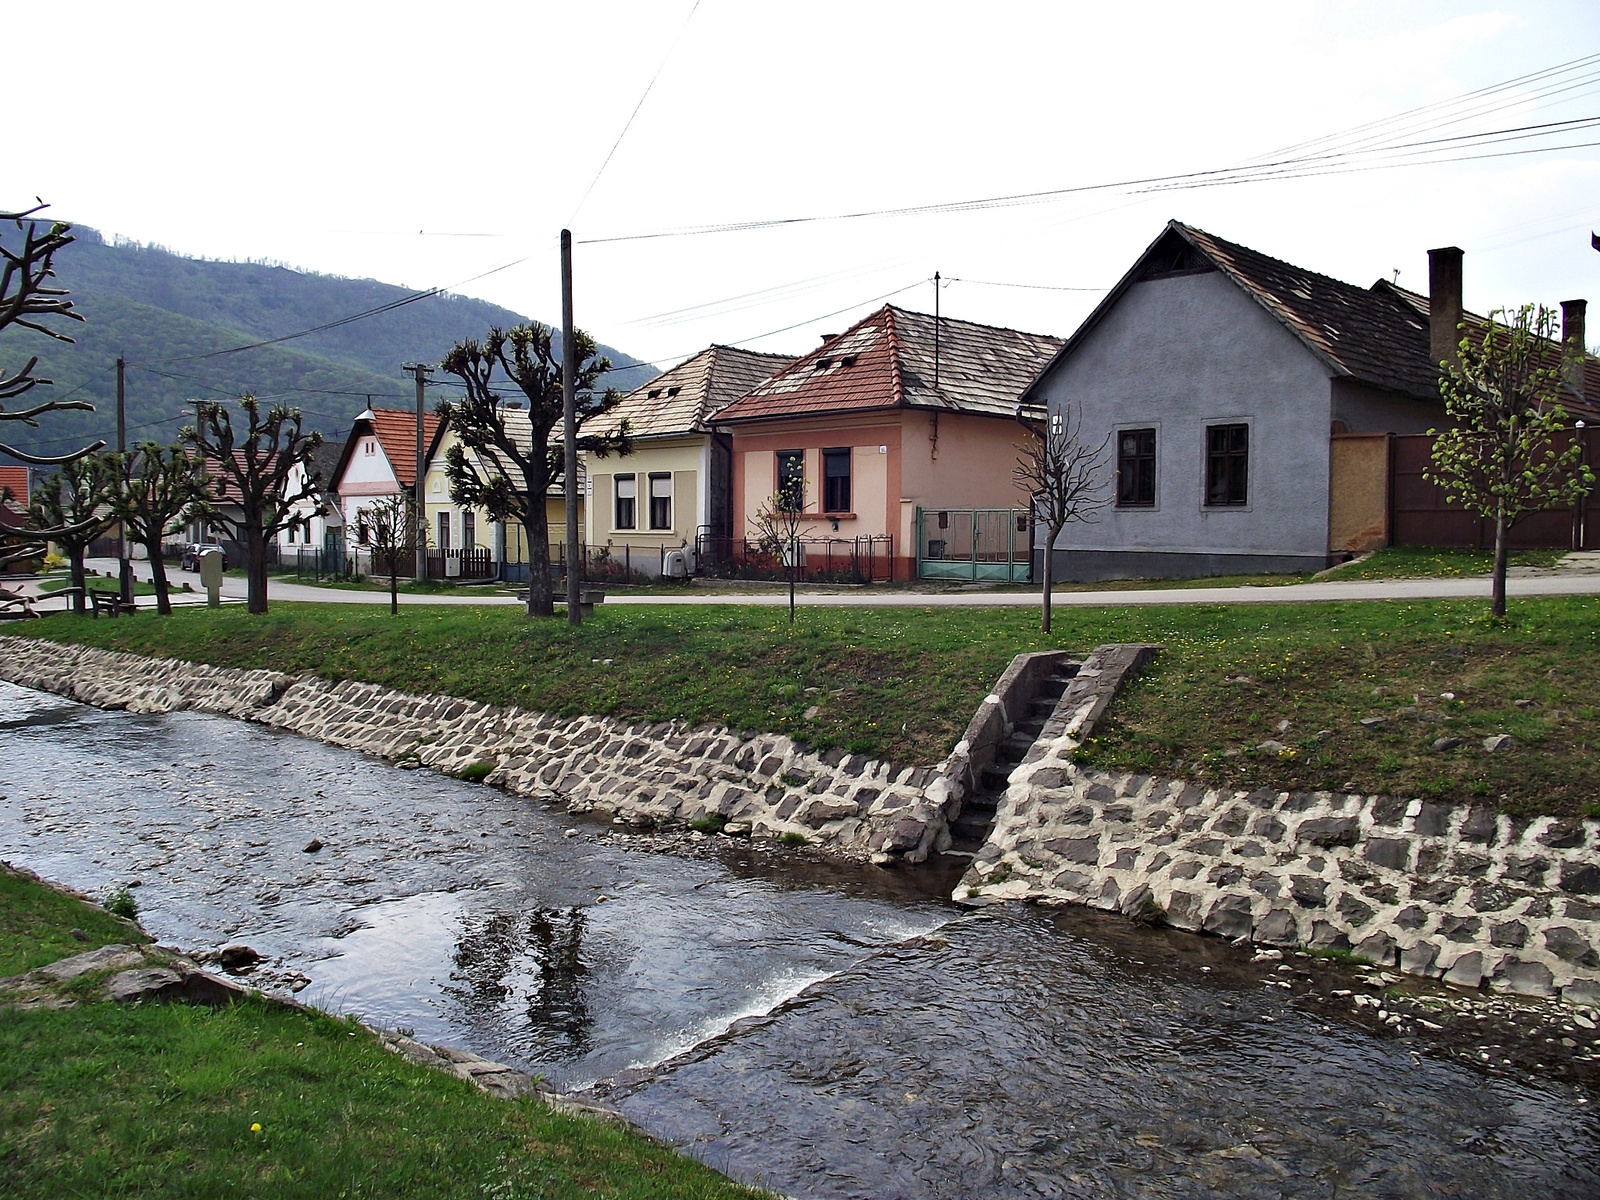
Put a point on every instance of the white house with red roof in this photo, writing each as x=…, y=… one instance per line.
x=379, y=459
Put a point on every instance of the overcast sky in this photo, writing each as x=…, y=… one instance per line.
x=425, y=144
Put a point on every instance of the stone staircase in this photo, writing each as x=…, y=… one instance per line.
x=970, y=830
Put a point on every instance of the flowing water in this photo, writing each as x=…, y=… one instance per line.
x=824, y=1030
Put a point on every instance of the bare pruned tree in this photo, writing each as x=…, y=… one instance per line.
x=494, y=468
x=29, y=301
x=72, y=504
x=1065, y=475
x=155, y=491
x=394, y=531
x=255, y=486
x=780, y=524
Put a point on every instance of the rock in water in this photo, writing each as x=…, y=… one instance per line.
x=236, y=960
x=313, y=846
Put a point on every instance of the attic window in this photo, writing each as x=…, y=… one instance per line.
x=823, y=364
x=1174, y=256
x=672, y=391
x=655, y=393
x=849, y=360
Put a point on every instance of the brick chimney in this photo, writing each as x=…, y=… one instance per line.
x=1572, y=336
x=1444, y=303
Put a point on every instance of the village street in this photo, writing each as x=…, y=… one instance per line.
x=1579, y=575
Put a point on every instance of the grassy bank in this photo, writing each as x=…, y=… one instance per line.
x=1436, y=562
x=902, y=683
x=255, y=1100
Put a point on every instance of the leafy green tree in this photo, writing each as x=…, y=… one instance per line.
x=253, y=497
x=155, y=491
x=73, y=503
x=505, y=466
x=1506, y=454
x=1065, y=476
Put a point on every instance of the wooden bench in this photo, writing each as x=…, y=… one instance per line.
x=110, y=603
x=588, y=597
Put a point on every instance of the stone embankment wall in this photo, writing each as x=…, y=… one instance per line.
x=1465, y=894
x=639, y=775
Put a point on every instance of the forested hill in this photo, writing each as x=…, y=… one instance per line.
x=151, y=306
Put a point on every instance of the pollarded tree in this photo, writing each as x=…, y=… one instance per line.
x=1507, y=453
x=393, y=529
x=1065, y=476
x=254, y=483
x=28, y=301
x=155, y=491
x=73, y=504
x=506, y=467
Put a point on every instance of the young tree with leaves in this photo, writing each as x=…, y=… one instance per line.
x=28, y=301
x=779, y=525
x=1065, y=475
x=394, y=531
x=253, y=474
x=155, y=491
x=1507, y=453
x=74, y=504
x=491, y=467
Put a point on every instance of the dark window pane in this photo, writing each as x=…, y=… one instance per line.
x=661, y=501
x=627, y=488
x=1136, y=468
x=836, y=480
x=1227, y=464
x=791, y=479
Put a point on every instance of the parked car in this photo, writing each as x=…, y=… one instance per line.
x=192, y=552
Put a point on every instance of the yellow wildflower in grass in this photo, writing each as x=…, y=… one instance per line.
x=255, y=1127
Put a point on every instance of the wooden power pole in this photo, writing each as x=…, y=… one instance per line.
x=419, y=372
x=124, y=567
x=569, y=431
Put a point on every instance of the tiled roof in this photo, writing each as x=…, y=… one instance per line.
x=887, y=360
x=396, y=429
x=325, y=459
x=1365, y=333
x=14, y=480
x=1376, y=335
x=678, y=402
x=519, y=427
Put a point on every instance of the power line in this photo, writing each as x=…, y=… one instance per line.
x=1034, y=287
x=628, y=124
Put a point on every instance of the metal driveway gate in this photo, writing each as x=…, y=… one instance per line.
x=975, y=543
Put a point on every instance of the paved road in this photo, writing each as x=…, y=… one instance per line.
x=1584, y=580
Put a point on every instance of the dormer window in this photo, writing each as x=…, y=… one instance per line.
x=823, y=364
x=849, y=360
x=672, y=391
x=655, y=393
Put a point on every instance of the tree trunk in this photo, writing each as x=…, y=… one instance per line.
x=75, y=558
x=536, y=528
x=255, y=555
x=1047, y=569
x=394, y=588
x=1497, y=601
x=158, y=576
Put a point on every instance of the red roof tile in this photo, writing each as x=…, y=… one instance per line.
x=679, y=401
x=896, y=358
x=14, y=485
x=396, y=429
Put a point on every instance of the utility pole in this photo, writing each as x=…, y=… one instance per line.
x=124, y=567
x=936, y=331
x=569, y=430
x=419, y=372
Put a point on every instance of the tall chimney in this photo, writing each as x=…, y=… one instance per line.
x=1572, y=337
x=1444, y=304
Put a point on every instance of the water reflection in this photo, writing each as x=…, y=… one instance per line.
x=538, y=956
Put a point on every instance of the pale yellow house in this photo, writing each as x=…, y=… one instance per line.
x=674, y=486
x=454, y=527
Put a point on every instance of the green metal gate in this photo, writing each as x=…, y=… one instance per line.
x=975, y=543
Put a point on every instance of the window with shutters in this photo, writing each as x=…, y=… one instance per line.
x=627, y=494
x=791, y=480
x=660, y=500
x=836, y=480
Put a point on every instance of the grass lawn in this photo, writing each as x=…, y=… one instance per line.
x=37, y=924
x=257, y=1100
x=50, y=584
x=1436, y=562
x=901, y=683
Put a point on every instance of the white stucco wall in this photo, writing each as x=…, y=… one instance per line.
x=1181, y=354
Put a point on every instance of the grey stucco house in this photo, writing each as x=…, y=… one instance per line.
x=1227, y=380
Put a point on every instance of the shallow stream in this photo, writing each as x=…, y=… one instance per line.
x=824, y=1030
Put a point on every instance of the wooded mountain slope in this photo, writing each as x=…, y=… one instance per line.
x=151, y=306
